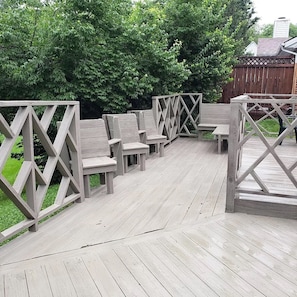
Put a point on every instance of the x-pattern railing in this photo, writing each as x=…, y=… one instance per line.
x=177, y=114
x=28, y=191
x=270, y=107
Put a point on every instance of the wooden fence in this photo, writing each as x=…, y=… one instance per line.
x=262, y=173
x=266, y=75
x=28, y=120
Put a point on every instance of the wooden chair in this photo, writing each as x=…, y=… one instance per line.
x=124, y=127
x=147, y=122
x=95, y=151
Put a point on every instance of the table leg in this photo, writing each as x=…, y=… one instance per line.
x=219, y=143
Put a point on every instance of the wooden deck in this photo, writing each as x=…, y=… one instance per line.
x=162, y=233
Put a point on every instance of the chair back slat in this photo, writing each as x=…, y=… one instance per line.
x=147, y=122
x=94, y=141
x=125, y=127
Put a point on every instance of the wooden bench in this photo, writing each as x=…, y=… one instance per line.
x=221, y=132
x=212, y=115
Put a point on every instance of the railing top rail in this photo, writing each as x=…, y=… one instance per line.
x=266, y=98
x=19, y=103
x=176, y=94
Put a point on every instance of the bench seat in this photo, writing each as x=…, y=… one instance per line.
x=221, y=132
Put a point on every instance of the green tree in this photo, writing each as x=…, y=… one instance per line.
x=293, y=30
x=242, y=17
x=266, y=31
x=83, y=50
x=207, y=46
x=18, y=48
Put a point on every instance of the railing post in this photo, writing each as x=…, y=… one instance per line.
x=232, y=156
x=28, y=142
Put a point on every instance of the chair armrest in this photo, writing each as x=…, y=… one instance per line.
x=114, y=141
x=142, y=136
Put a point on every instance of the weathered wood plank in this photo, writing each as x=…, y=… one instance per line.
x=128, y=284
x=167, y=277
x=15, y=285
x=59, y=279
x=234, y=259
x=257, y=253
x=2, y=285
x=103, y=279
x=80, y=277
x=208, y=268
x=271, y=245
x=37, y=282
x=174, y=262
x=141, y=273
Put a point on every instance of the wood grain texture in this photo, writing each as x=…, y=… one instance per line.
x=163, y=233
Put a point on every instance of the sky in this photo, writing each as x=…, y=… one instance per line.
x=270, y=10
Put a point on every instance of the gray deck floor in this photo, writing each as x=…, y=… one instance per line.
x=163, y=233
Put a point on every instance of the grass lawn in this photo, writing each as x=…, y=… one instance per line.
x=270, y=127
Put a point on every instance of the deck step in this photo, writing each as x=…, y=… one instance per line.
x=267, y=206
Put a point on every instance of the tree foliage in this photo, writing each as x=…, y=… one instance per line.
x=266, y=31
x=207, y=45
x=242, y=17
x=109, y=53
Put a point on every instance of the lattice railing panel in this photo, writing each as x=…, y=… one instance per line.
x=166, y=109
x=269, y=171
x=177, y=114
x=31, y=124
x=189, y=114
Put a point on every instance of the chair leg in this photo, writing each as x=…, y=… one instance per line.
x=162, y=149
x=120, y=165
x=125, y=164
x=102, y=178
x=87, y=187
x=109, y=182
x=142, y=162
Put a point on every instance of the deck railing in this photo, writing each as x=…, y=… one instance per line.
x=28, y=120
x=267, y=183
x=31, y=121
x=177, y=114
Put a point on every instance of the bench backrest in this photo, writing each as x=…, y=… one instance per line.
x=214, y=113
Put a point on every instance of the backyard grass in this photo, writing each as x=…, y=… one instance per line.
x=269, y=127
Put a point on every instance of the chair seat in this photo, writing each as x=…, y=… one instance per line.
x=138, y=146
x=160, y=138
x=96, y=162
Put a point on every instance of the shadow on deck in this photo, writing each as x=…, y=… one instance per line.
x=162, y=233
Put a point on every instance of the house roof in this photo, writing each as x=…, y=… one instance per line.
x=270, y=46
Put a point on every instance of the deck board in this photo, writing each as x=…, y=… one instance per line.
x=162, y=233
